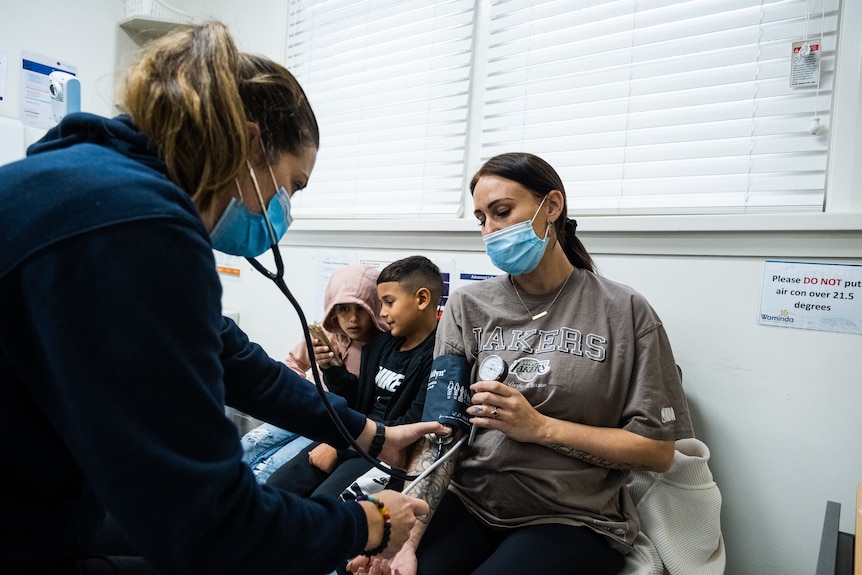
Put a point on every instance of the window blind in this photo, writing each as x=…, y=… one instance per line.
x=663, y=106
x=388, y=82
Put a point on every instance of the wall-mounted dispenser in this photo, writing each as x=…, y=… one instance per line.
x=65, y=92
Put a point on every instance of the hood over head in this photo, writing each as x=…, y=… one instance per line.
x=352, y=284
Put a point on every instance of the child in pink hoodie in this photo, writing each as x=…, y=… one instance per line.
x=351, y=311
x=351, y=319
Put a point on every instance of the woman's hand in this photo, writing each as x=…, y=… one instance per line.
x=403, y=563
x=371, y=566
x=400, y=438
x=498, y=406
x=403, y=511
x=324, y=457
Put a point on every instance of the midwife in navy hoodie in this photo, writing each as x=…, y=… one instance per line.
x=115, y=361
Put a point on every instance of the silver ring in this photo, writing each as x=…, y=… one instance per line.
x=495, y=413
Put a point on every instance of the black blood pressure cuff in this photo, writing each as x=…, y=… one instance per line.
x=448, y=395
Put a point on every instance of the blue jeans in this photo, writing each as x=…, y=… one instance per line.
x=267, y=447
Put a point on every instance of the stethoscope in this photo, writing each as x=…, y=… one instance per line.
x=277, y=278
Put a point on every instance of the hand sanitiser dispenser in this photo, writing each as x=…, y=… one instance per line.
x=65, y=92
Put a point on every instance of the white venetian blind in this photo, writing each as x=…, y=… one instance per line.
x=663, y=106
x=388, y=82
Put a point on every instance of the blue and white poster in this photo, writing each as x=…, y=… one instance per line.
x=35, y=88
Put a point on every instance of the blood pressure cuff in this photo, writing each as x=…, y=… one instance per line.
x=448, y=395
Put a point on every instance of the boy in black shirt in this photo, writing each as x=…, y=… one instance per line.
x=393, y=376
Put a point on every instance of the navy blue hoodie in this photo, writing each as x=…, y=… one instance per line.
x=115, y=368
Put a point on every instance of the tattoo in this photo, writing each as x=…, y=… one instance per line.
x=593, y=460
x=433, y=487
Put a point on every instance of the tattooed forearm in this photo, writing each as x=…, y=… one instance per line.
x=433, y=487
x=593, y=460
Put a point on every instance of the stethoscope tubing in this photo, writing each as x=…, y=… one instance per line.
x=278, y=279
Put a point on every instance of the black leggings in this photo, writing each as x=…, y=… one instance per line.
x=299, y=476
x=456, y=543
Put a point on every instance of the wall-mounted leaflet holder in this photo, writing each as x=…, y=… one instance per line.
x=65, y=90
x=50, y=89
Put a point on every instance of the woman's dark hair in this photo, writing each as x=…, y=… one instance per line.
x=540, y=178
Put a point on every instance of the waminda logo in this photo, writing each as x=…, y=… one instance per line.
x=527, y=368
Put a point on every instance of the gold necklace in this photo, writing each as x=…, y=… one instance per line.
x=553, y=301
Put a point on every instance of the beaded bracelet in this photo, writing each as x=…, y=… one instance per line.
x=387, y=524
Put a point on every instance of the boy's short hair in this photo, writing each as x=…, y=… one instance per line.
x=412, y=273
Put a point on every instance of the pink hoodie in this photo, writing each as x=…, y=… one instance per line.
x=348, y=284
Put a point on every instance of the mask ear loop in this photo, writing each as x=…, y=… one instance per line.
x=272, y=240
x=548, y=226
x=278, y=276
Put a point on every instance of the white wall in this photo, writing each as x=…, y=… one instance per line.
x=779, y=408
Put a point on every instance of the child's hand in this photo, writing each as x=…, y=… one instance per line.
x=324, y=457
x=320, y=340
x=323, y=355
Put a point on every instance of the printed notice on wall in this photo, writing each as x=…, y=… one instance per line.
x=826, y=297
x=3, y=68
x=228, y=266
x=327, y=263
x=35, y=106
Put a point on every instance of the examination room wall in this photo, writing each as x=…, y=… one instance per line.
x=779, y=408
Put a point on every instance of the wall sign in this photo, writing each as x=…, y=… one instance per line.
x=817, y=296
x=3, y=68
x=35, y=106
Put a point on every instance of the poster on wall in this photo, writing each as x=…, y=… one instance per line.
x=326, y=264
x=446, y=265
x=35, y=88
x=228, y=266
x=816, y=296
x=469, y=276
x=3, y=68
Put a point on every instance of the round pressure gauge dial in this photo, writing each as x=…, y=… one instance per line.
x=493, y=368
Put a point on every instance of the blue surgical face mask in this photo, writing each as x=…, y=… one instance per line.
x=517, y=249
x=241, y=232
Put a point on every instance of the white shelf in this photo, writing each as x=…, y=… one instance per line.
x=142, y=29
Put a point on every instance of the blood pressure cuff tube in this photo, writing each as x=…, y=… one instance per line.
x=448, y=395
